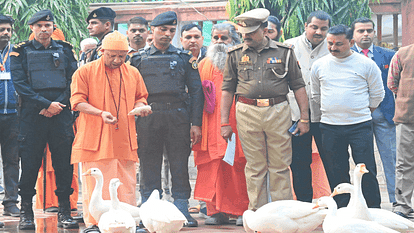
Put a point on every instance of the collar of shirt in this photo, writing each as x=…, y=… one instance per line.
x=130, y=49
x=266, y=43
x=170, y=49
x=38, y=45
x=370, y=53
x=308, y=43
x=2, y=52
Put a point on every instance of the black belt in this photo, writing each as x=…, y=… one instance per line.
x=166, y=106
x=262, y=102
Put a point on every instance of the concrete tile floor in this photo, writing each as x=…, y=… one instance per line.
x=47, y=222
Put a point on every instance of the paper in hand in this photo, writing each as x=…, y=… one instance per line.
x=230, y=151
x=137, y=111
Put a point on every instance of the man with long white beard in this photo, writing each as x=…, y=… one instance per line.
x=220, y=185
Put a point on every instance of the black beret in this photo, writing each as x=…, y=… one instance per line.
x=43, y=15
x=101, y=13
x=6, y=19
x=166, y=18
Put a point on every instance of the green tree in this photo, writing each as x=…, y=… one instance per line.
x=69, y=16
x=293, y=13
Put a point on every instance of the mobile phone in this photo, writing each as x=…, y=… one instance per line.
x=293, y=128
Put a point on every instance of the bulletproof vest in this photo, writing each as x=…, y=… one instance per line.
x=46, y=68
x=163, y=74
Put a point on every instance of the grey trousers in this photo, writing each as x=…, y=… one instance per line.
x=404, y=170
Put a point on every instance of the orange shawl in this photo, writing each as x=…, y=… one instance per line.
x=89, y=85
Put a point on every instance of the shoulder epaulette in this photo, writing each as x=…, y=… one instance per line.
x=288, y=46
x=21, y=44
x=64, y=43
x=235, y=47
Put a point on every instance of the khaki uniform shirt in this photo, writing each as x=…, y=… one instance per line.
x=251, y=73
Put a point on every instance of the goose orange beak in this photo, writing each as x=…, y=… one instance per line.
x=363, y=168
x=87, y=173
x=316, y=206
x=335, y=192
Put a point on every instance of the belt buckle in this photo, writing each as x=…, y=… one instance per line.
x=262, y=102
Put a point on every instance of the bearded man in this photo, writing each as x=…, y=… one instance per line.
x=220, y=185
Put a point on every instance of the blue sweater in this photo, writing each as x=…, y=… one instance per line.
x=8, y=95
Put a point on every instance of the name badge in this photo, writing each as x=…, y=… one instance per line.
x=5, y=76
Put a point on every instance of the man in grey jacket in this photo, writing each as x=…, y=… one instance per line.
x=308, y=47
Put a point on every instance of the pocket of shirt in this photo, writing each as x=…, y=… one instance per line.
x=275, y=70
x=245, y=72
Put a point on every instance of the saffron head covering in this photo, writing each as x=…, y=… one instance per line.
x=115, y=41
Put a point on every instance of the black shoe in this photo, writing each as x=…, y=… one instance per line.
x=26, y=216
x=78, y=218
x=182, y=205
x=217, y=219
x=402, y=215
x=140, y=230
x=11, y=211
x=191, y=222
x=91, y=229
x=52, y=209
x=65, y=220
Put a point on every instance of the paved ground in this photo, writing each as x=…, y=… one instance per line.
x=46, y=222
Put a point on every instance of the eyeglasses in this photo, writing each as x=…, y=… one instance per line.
x=363, y=30
x=219, y=36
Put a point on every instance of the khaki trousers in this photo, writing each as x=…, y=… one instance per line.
x=266, y=143
x=404, y=169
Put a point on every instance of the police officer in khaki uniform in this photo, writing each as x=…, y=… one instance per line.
x=260, y=72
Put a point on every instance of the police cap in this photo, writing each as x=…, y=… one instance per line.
x=43, y=15
x=166, y=18
x=6, y=19
x=102, y=13
x=250, y=21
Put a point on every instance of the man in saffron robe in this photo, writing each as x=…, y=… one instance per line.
x=220, y=185
x=104, y=91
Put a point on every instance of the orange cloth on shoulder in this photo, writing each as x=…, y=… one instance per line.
x=57, y=35
x=96, y=140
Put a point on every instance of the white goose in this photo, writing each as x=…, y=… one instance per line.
x=98, y=206
x=359, y=209
x=116, y=219
x=287, y=216
x=341, y=224
x=161, y=216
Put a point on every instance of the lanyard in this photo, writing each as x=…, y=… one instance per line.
x=5, y=59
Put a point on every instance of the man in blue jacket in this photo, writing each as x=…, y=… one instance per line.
x=383, y=125
x=9, y=124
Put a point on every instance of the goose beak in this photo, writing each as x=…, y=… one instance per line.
x=363, y=169
x=316, y=206
x=88, y=173
x=335, y=192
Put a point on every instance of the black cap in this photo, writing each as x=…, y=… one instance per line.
x=6, y=19
x=43, y=15
x=166, y=18
x=101, y=13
